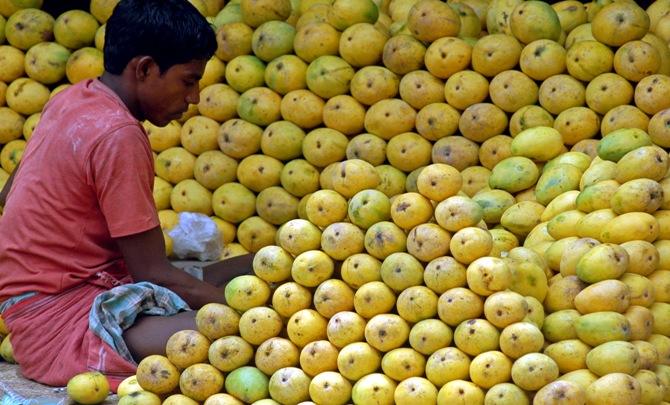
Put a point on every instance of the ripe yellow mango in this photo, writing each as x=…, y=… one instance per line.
x=638, y=195
x=562, y=293
x=630, y=226
x=606, y=295
x=538, y=143
x=649, y=162
x=613, y=357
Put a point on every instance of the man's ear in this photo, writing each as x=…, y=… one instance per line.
x=145, y=66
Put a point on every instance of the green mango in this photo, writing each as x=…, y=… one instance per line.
x=597, y=196
x=553, y=182
x=601, y=327
x=514, y=174
x=494, y=203
x=528, y=279
x=617, y=143
x=560, y=325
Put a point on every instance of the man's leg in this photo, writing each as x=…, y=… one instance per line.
x=150, y=334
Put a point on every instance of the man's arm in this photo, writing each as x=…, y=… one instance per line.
x=144, y=254
x=5, y=190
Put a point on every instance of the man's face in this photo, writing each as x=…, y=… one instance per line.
x=165, y=96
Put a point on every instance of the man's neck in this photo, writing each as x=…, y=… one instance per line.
x=119, y=85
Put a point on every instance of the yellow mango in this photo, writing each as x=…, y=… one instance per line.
x=606, y=295
x=630, y=226
x=564, y=202
x=613, y=357
x=638, y=195
x=570, y=355
x=562, y=293
x=649, y=162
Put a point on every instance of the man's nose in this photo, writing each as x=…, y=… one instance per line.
x=194, y=96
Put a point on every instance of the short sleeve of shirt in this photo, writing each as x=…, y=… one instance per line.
x=120, y=170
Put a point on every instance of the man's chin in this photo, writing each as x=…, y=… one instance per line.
x=163, y=121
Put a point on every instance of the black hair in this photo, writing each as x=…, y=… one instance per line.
x=172, y=32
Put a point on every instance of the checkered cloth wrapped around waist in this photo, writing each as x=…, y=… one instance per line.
x=116, y=310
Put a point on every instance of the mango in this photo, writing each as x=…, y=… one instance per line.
x=615, y=388
x=494, y=203
x=554, y=252
x=560, y=325
x=534, y=20
x=661, y=281
x=573, y=252
x=663, y=218
x=648, y=354
x=606, y=295
x=592, y=224
x=597, y=196
x=641, y=289
x=553, y=182
x=613, y=357
x=514, y=174
x=564, y=224
x=523, y=254
x=663, y=374
x=600, y=171
x=661, y=313
x=604, y=261
x=638, y=195
x=528, y=279
x=649, y=162
x=652, y=388
x=562, y=293
x=643, y=257
x=522, y=217
x=641, y=322
x=540, y=144
x=570, y=355
x=564, y=202
x=600, y=327
x=621, y=141
x=662, y=344
x=578, y=159
x=630, y=226
x=582, y=377
x=538, y=235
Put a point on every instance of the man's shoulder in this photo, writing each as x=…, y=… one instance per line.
x=90, y=100
x=87, y=110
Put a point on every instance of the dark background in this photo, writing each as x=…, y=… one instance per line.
x=57, y=7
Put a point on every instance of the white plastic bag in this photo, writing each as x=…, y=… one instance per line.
x=196, y=236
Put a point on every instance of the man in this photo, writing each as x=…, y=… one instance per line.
x=84, y=280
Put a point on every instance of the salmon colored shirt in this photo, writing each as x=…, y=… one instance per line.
x=85, y=178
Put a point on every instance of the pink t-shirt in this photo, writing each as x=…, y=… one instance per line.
x=86, y=177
